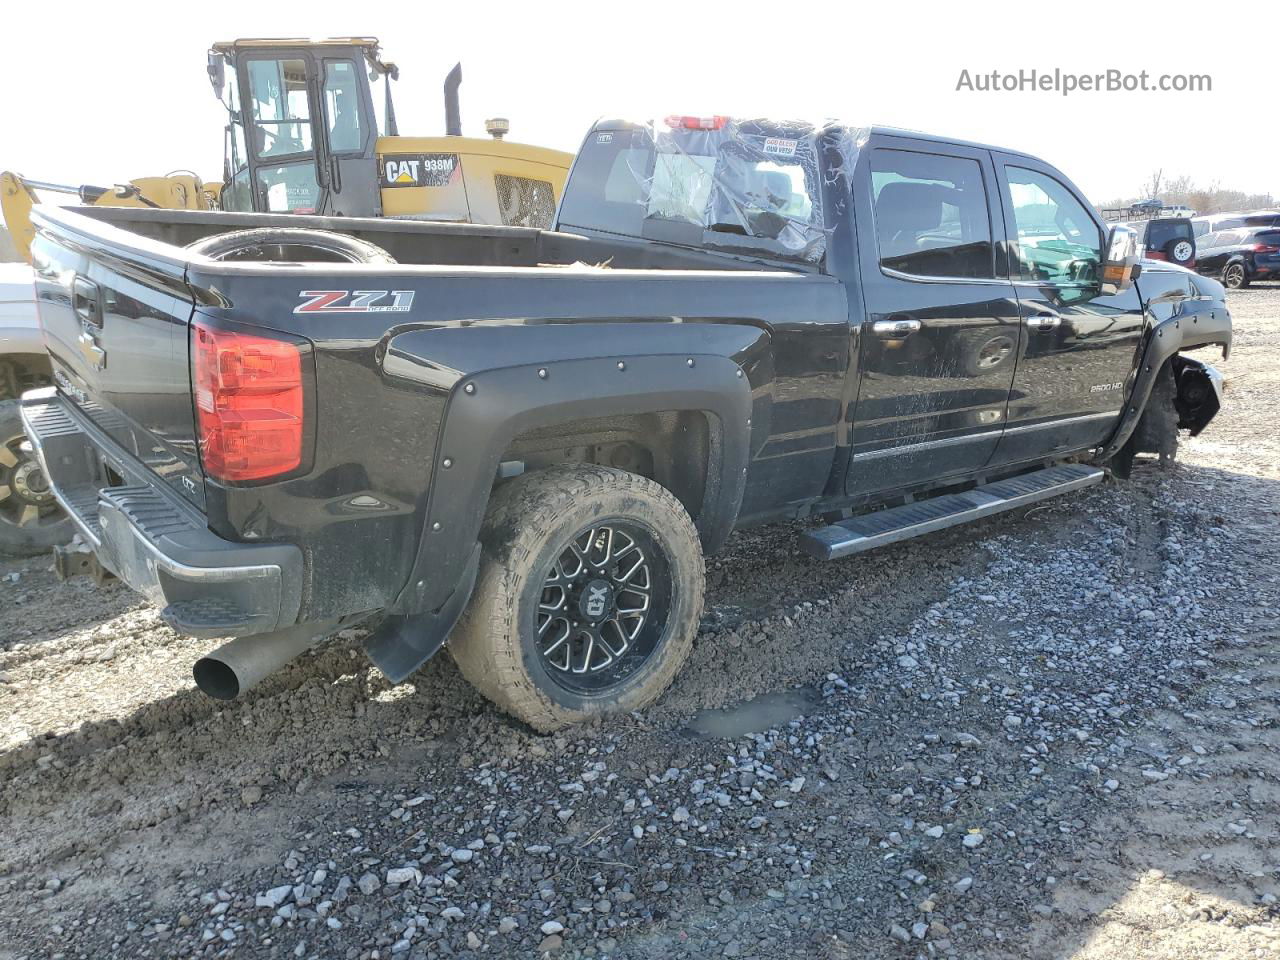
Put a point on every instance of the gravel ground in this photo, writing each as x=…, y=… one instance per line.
x=1053, y=734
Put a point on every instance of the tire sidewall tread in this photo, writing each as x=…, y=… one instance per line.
x=528, y=519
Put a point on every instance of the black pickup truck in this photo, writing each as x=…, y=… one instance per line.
x=523, y=442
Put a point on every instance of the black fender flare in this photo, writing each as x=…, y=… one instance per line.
x=1164, y=340
x=701, y=367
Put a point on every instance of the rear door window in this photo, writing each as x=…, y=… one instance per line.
x=931, y=214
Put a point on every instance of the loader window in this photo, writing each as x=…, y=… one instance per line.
x=281, y=113
x=342, y=106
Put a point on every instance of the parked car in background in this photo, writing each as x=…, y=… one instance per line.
x=30, y=519
x=1239, y=257
x=1232, y=221
x=1170, y=239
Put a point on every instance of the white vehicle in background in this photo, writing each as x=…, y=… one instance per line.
x=31, y=521
x=1212, y=223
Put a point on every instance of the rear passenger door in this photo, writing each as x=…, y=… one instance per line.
x=1078, y=347
x=940, y=334
x=1211, y=252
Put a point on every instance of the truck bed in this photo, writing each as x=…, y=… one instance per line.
x=490, y=304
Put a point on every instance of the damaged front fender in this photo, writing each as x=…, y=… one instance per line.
x=1199, y=393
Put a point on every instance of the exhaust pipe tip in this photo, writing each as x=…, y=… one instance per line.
x=241, y=664
x=216, y=679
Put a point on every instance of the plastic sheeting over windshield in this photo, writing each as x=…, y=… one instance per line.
x=754, y=186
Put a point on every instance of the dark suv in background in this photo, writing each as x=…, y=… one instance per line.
x=1239, y=257
x=1170, y=239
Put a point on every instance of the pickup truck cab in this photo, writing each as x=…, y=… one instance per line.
x=522, y=442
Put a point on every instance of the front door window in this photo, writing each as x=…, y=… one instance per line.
x=1058, y=242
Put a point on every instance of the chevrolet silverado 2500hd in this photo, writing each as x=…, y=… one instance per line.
x=523, y=442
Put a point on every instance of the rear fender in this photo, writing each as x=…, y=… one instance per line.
x=505, y=380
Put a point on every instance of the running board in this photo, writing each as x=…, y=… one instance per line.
x=873, y=530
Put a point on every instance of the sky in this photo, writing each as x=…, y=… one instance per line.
x=124, y=94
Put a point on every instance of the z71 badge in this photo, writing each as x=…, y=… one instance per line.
x=354, y=301
x=419, y=169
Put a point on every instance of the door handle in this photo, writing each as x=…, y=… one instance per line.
x=1044, y=321
x=895, y=328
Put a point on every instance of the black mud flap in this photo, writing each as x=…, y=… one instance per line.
x=402, y=644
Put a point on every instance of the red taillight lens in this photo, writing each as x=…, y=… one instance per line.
x=677, y=122
x=249, y=404
x=1265, y=248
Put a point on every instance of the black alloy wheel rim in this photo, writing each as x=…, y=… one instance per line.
x=26, y=502
x=1233, y=276
x=603, y=608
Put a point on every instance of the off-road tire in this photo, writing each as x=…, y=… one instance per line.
x=290, y=244
x=529, y=523
x=54, y=526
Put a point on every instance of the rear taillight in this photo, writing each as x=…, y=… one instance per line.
x=249, y=404
x=1265, y=248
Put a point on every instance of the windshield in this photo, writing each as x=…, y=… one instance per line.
x=752, y=186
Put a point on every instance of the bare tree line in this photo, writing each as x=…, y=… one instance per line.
x=1213, y=198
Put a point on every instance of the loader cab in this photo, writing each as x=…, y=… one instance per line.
x=301, y=130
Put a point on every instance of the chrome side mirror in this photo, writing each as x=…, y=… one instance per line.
x=1120, y=266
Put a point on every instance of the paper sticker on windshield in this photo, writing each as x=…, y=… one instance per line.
x=418, y=169
x=780, y=147
x=604, y=138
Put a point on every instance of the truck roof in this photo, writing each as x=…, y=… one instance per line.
x=879, y=129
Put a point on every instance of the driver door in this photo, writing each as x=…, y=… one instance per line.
x=1077, y=347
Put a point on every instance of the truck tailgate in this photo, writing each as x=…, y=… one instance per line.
x=115, y=308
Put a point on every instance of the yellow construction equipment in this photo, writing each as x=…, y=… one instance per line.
x=181, y=190
x=306, y=132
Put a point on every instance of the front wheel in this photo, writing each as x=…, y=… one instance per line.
x=588, y=596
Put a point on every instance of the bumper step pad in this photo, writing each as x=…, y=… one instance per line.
x=883, y=527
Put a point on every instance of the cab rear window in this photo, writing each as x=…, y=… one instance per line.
x=749, y=186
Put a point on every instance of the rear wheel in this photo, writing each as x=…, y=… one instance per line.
x=31, y=522
x=290, y=244
x=1234, y=276
x=588, y=596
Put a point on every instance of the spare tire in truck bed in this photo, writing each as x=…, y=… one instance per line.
x=290, y=244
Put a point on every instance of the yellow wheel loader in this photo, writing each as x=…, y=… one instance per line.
x=308, y=133
x=180, y=190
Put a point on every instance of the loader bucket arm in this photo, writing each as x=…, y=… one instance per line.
x=16, y=200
